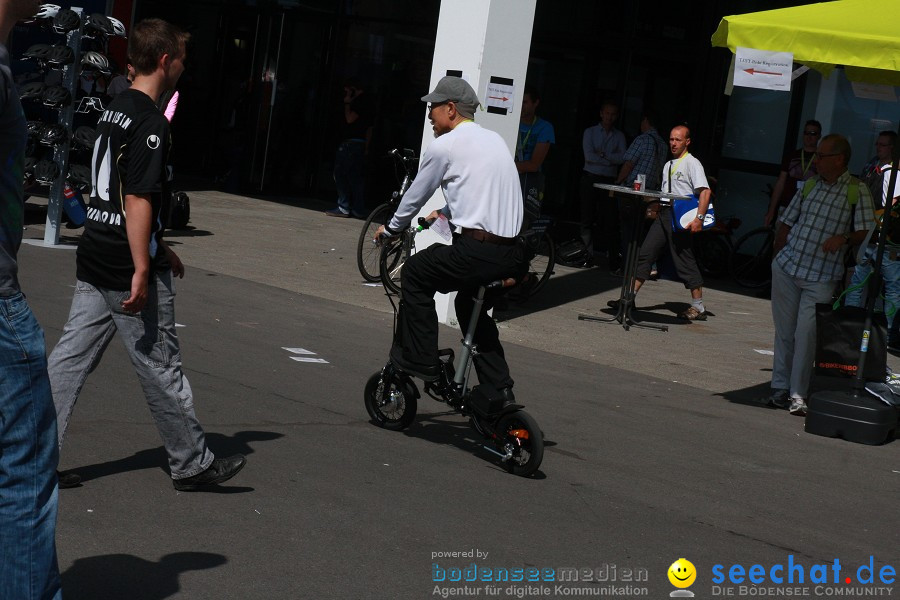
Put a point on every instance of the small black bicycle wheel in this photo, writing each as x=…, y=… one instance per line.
x=367, y=251
x=394, y=410
x=519, y=433
x=751, y=260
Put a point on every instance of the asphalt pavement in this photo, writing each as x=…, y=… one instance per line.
x=656, y=449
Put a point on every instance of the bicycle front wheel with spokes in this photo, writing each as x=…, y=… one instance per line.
x=751, y=260
x=367, y=252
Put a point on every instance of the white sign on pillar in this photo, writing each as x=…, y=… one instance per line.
x=486, y=42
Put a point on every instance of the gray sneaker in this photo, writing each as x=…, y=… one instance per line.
x=798, y=407
x=779, y=399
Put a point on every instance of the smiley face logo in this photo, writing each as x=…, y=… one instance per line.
x=682, y=573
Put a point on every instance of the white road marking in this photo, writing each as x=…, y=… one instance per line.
x=766, y=352
x=309, y=360
x=298, y=350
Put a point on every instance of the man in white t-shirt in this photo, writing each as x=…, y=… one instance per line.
x=682, y=176
x=477, y=174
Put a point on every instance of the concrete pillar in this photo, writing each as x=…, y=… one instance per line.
x=486, y=42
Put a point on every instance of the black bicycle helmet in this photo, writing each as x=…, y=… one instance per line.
x=60, y=55
x=85, y=136
x=56, y=97
x=52, y=135
x=97, y=24
x=46, y=171
x=37, y=51
x=32, y=90
x=79, y=175
x=95, y=60
x=66, y=20
x=34, y=128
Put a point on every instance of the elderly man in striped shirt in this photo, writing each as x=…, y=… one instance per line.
x=815, y=233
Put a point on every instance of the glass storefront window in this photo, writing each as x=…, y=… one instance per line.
x=756, y=125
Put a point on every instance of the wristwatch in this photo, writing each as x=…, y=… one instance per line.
x=700, y=217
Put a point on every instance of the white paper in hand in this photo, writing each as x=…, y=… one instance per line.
x=441, y=226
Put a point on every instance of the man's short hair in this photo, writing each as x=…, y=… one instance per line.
x=532, y=92
x=839, y=144
x=649, y=114
x=891, y=135
x=814, y=123
x=150, y=39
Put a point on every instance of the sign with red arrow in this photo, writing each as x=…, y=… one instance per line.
x=763, y=69
x=499, y=94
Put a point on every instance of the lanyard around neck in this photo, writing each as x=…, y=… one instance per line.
x=674, y=168
x=803, y=164
x=523, y=143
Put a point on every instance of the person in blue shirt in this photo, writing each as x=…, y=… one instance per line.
x=533, y=143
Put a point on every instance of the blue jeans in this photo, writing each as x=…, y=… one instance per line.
x=890, y=272
x=350, y=177
x=28, y=459
x=152, y=345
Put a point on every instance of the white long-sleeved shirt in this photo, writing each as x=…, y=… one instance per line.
x=476, y=172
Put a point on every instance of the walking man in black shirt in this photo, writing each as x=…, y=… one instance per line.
x=125, y=269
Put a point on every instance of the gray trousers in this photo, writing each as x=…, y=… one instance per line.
x=794, y=313
x=152, y=344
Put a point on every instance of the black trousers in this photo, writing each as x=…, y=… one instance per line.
x=597, y=206
x=463, y=266
x=680, y=244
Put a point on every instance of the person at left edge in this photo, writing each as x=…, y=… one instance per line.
x=28, y=453
x=476, y=173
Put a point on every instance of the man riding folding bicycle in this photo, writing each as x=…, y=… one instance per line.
x=479, y=180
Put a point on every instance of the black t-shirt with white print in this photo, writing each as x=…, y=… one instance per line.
x=129, y=158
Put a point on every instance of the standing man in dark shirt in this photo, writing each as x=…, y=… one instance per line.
x=125, y=269
x=796, y=168
x=28, y=452
x=604, y=151
x=350, y=160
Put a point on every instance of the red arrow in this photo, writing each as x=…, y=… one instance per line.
x=755, y=72
x=504, y=98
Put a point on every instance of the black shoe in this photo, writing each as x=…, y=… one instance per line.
x=68, y=479
x=508, y=396
x=221, y=470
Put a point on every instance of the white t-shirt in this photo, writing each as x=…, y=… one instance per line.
x=687, y=176
x=476, y=172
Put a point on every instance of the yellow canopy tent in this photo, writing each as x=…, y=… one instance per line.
x=861, y=35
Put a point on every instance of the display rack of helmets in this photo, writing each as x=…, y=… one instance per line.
x=59, y=149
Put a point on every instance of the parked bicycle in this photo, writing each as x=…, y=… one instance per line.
x=713, y=247
x=390, y=395
x=367, y=252
x=751, y=259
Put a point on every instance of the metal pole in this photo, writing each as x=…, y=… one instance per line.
x=61, y=153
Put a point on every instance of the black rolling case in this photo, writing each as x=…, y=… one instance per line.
x=862, y=419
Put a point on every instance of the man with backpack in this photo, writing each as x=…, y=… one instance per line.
x=822, y=221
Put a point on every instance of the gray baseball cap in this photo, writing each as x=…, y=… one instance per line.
x=453, y=89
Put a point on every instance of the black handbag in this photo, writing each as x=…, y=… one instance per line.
x=839, y=339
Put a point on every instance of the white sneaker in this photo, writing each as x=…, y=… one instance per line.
x=798, y=407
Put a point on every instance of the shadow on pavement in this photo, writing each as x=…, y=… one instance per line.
x=155, y=458
x=127, y=576
x=438, y=429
